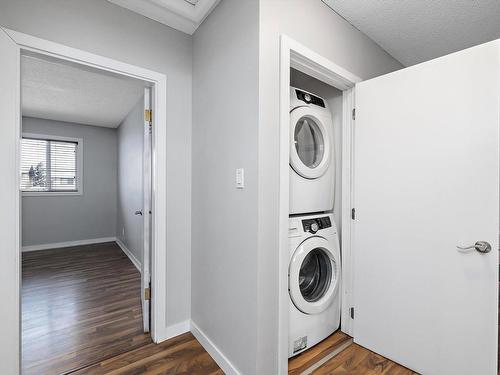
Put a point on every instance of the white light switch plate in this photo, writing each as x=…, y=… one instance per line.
x=240, y=178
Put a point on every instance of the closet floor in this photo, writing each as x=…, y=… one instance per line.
x=337, y=355
x=318, y=354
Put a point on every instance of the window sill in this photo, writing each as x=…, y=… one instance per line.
x=50, y=193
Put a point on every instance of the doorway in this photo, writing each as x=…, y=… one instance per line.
x=298, y=64
x=86, y=192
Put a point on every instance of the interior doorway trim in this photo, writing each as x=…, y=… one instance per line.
x=158, y=81
x=295, y=55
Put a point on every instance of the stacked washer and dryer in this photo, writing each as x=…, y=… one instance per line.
x=314, y=268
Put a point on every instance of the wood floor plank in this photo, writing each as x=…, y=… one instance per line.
x=80, y=305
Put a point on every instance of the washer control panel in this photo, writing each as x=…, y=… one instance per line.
x=313, y=225
x=310, y=99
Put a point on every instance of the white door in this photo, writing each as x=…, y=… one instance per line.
x=146, y=252
x=426, y=181
x=10, y=203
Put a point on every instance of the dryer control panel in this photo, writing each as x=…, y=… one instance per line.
x=309, y=98
x=313, y=225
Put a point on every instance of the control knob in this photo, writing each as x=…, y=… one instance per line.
x=314, y=227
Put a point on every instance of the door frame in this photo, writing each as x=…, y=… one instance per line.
x=147, y=208
x=295, y=55
x=158, y=82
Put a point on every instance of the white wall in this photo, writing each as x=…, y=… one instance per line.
x=225, y=137
x=129, y=227
x=53, y=219
x=100, y=27
x=333, y=98
x=313, y=24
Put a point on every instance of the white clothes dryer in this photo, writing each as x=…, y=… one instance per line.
x=312, y=161
x=313, y=281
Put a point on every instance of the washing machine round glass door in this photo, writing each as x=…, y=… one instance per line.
x=310, y=143
x=313, y=276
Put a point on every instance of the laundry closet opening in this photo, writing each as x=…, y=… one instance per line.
x=315, y=222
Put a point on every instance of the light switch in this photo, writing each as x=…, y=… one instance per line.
x=240, y=178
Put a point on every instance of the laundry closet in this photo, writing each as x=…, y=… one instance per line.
x=314, y=212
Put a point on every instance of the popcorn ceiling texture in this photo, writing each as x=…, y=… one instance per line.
x=416, y=31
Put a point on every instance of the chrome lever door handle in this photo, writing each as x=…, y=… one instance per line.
x=480, y=246
x=138, y=213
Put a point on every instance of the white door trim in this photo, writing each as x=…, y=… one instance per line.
x=293, y=54
x=158, y=83
x=147, y=208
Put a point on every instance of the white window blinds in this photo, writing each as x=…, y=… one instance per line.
x=49, y=165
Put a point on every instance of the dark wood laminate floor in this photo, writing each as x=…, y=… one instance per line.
x=356, y=360
x=80, y=306
x=352, y=360
x=180, y=355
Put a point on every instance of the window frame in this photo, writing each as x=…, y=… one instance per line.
x=79, y=165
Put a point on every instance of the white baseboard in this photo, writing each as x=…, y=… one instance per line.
x=214, y=351
x=60, y=245
x=130, y=255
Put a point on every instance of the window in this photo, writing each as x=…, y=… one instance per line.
x=50, y=165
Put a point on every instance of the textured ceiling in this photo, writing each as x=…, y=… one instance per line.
x=413, y=31
x=60, y=91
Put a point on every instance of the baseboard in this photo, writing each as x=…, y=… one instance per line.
x=60, y=245
x=130, y=255
x=214, y=351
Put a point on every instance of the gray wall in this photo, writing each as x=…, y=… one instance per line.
x=100, y=27
x=52, y=219
x=333, y=98
x=225, y=137
x=316, y=26
x=129, y=227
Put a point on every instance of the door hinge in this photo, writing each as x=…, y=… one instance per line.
x=147, y=294
x=354, y=113
x=148, y=115
x=351, y=312
x=353, y=214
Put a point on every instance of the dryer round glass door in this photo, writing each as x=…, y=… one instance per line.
x=314, y=275
x=310, y=148
x=309, y=142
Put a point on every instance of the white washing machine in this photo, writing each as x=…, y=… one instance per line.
x=312, y=161
x=313, y=281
